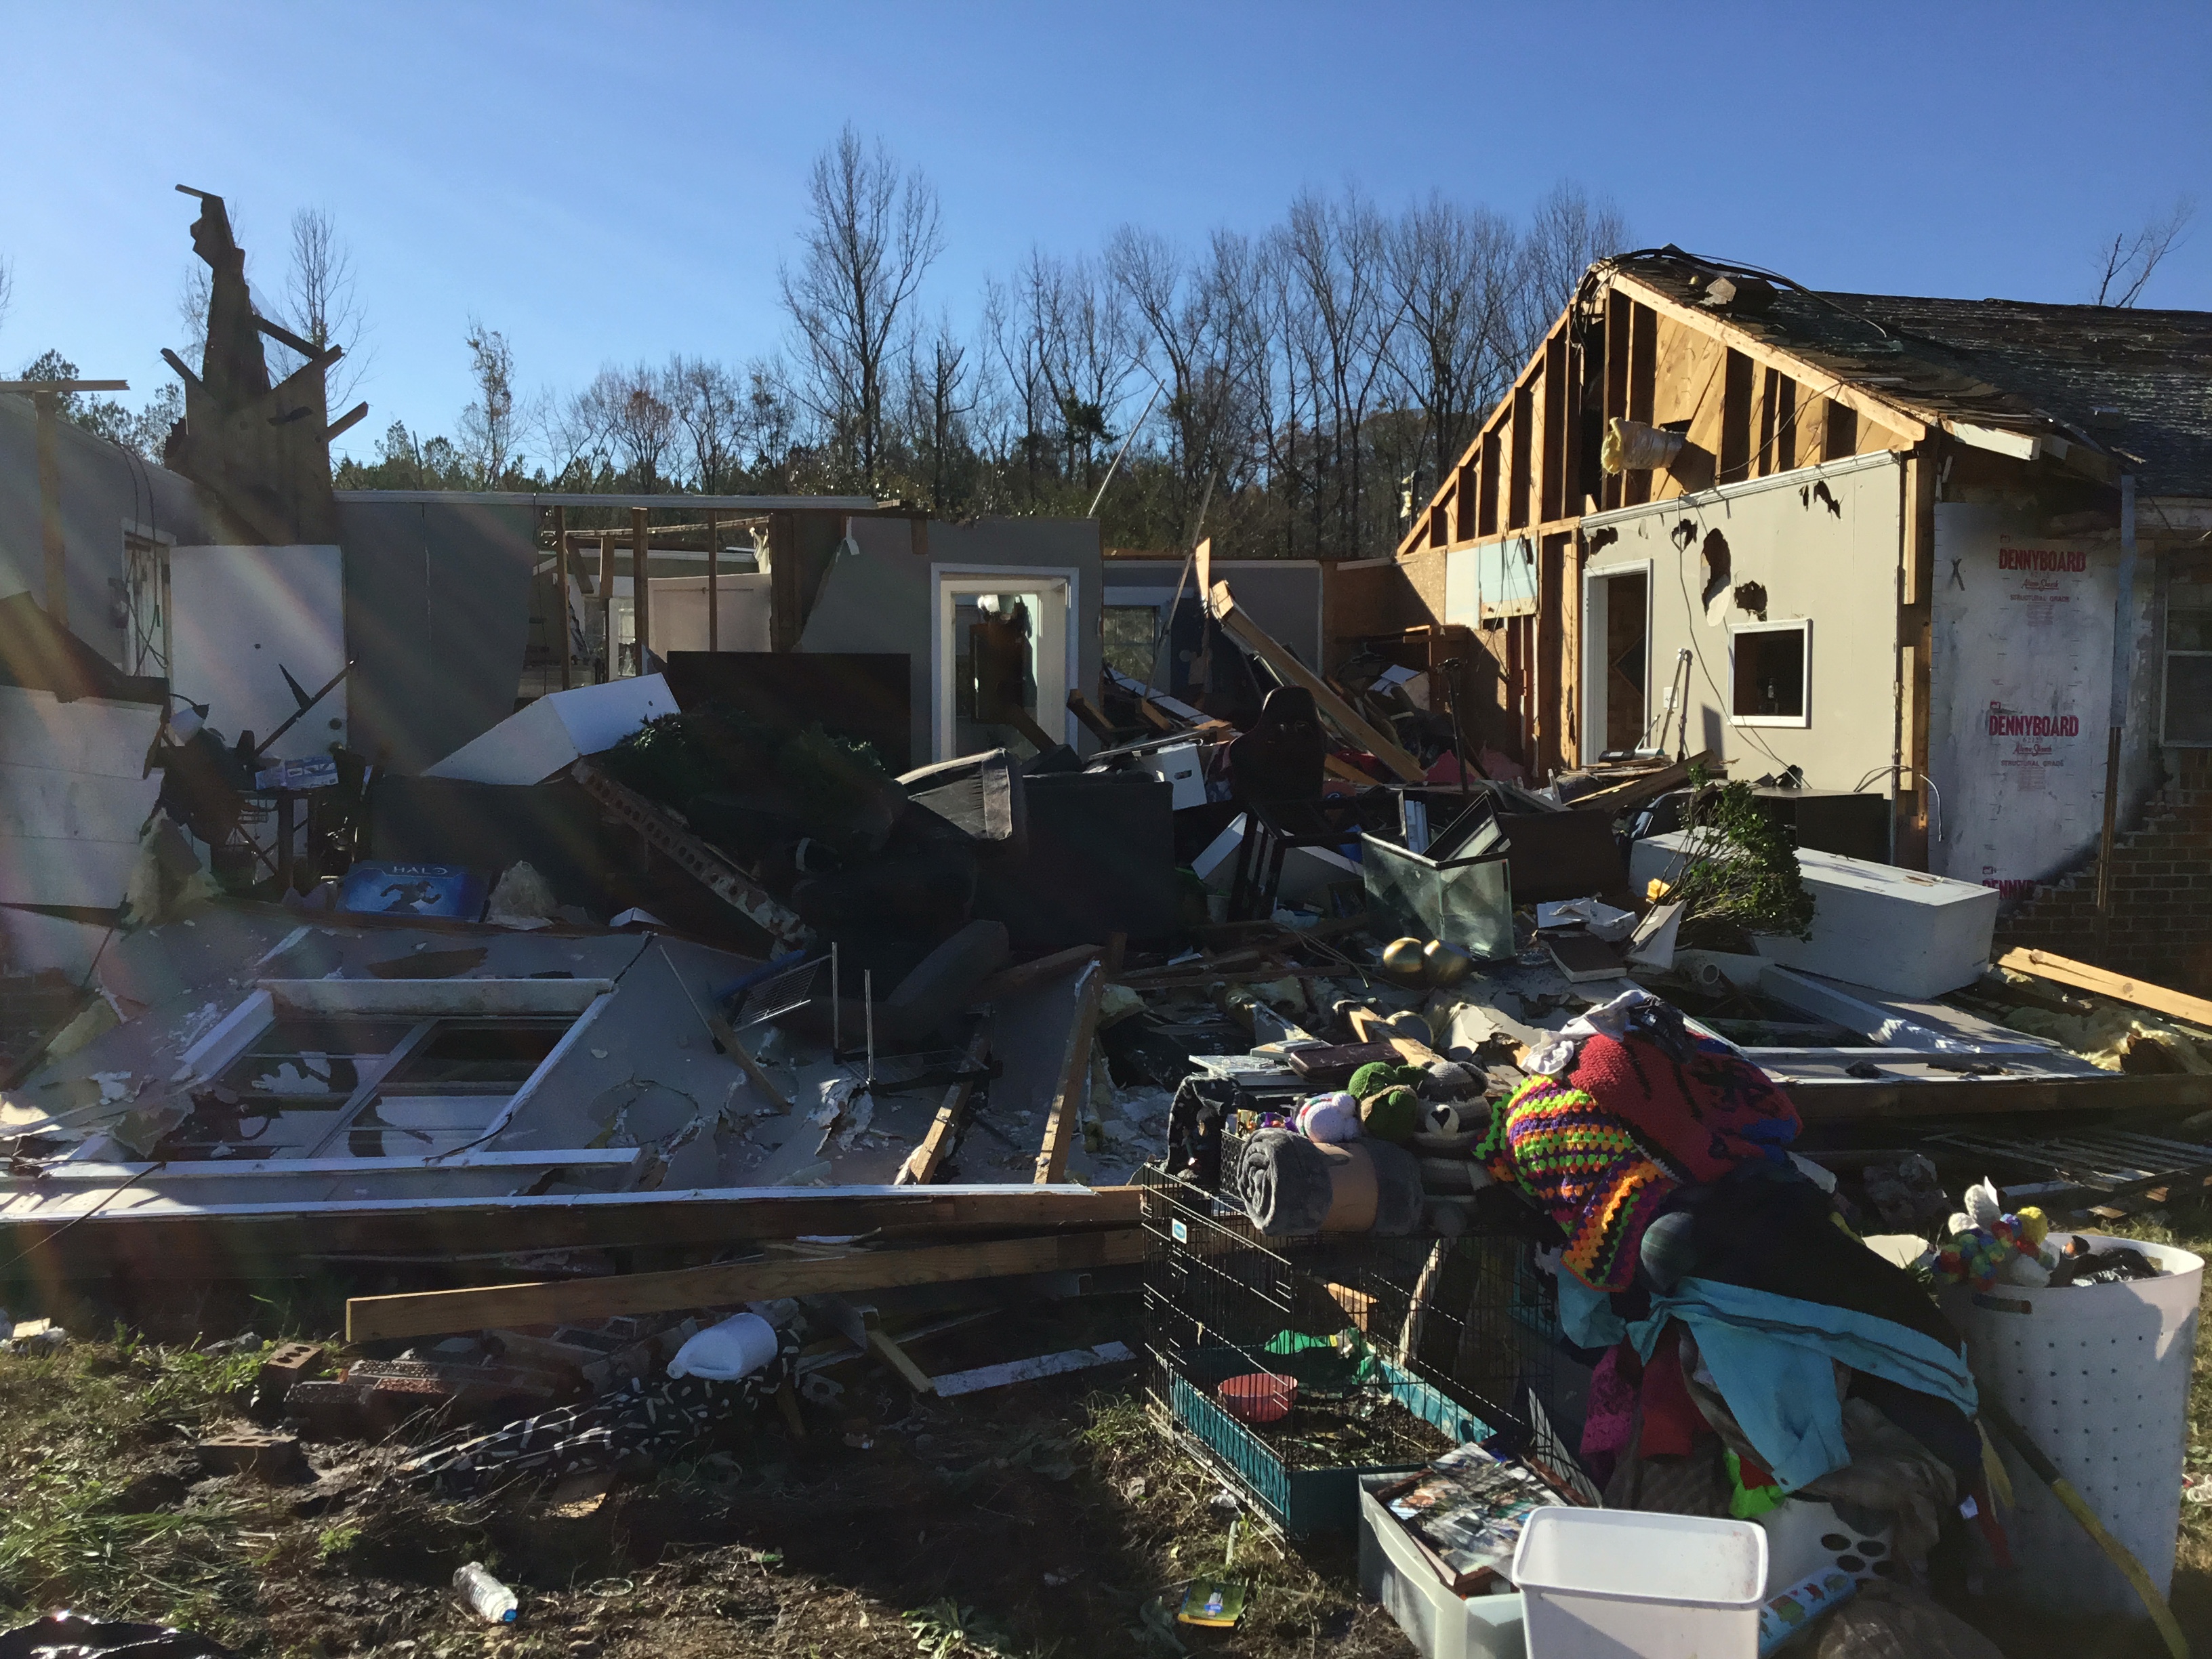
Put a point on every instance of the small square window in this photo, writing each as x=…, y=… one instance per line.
x=1772, y=667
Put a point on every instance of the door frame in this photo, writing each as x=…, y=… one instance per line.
x=1596, y=661
x=947, y=584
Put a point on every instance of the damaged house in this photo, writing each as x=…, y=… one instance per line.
x=1943, y=553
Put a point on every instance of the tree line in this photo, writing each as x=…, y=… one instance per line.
x=1297, y=392
x=1293, y=390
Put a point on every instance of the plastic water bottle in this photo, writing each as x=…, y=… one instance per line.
x=488, y=1598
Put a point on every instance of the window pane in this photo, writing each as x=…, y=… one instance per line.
x=2189, y=699
x=2188, y=628
x=1770, y=673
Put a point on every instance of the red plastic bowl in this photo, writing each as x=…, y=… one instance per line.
x=1259, y=1396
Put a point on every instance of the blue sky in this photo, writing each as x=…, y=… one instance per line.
x=612, y=183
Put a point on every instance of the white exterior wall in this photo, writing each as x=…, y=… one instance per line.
x=1824, y=542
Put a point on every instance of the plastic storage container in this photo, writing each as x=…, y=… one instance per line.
x=1620, y=1584
x=1441, y=1625
x=2098, y=1377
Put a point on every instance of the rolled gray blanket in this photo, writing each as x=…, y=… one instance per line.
x=1285, y=1183
x=1291, y=1186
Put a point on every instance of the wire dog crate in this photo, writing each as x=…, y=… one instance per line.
x=1293, y=1366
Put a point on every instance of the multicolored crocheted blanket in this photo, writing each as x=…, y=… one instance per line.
x=1603, y=1147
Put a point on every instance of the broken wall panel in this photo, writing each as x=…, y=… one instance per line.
x=73, y=794
x=437, y=616
x=244, y=618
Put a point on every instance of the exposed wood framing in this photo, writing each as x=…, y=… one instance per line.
x=1286, y=667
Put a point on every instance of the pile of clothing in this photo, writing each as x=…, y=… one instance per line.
x=1754, y=1349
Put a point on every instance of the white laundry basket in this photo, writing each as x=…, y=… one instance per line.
x=2098, y=1377
x=1623, y=1584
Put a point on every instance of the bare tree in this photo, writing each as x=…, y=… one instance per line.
x=874, y=234
x=1200, y=318
x=1336, y=256
x=1454, y=271
x=487, y=425
x=638, y=420
x=2128, y=263
x=940, y=396
x=710, y=407
x=7, y=287
x=320, y=302
x=1569, y=232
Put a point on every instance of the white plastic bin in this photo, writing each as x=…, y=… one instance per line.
x=1439, y=1625
x=1621, y=1584
x=2098, y=1377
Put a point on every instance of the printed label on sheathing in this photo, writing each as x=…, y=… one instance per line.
x=2002, y=1303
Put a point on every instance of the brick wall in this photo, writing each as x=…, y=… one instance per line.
x=2161, y=927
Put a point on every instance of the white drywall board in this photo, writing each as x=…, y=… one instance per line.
x=1823, y=542
x=679, y=612
x=237, y=613
x=1891, y=930
x=89, y=735
x=531, y=745
x=1498, y=579
x=73, y=795
x=2021, y=667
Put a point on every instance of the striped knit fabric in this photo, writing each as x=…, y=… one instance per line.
x=1586, y=1168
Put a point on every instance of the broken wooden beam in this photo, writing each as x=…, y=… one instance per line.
x=1074, y=1085
x=2081, y=976
x=438, y=1313
x=954, y=1383
x=1288, y=669
x=1007, y=982
x=921, y=1165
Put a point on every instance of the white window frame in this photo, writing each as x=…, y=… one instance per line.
x=1595, y=603
x=948, y=583
x=1803, y=625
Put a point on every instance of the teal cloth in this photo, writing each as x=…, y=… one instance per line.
x=1770, y=1357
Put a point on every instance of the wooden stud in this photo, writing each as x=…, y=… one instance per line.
x=1485, y=517
x=713, y=584
x=784, y=622
x=1642, y=380
x=609, y=651
x=895, y=1357
x=1552, y=474
x=1523, y=457
x=1061, y=1117
x=641, y=587
x=921, y=1165
x=2143, y=993
x=435, y=1313
x=1618, y=310
x=561, y=584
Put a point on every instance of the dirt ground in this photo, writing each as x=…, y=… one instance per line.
x=1051, y=1519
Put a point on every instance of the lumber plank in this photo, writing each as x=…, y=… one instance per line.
x=82, y=1240
x=1636, y=791
x=2064, y=970
x=1060, y=1123
x=434, y=1313
x=1370, y=1027
x=920, y=1166
x=1334, y=708
x=895, y=1357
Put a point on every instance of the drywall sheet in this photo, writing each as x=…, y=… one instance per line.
x=679, y=613
x=437, y=616
x=73, y=792
x=1498, y=579
x=2022, y=666
x=243, y=619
